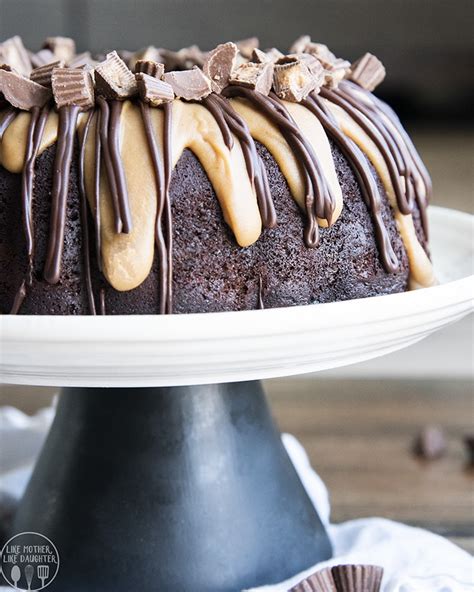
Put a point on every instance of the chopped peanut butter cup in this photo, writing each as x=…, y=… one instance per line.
x=246, y=46
x=292, y=79
x=73, y=86
x=42, y=75
x=13, y=53
x=191, y=85
x=368, y=72
x=22, y=92
x=63, y=48
x=256, y=76
x=219, y=64
x=150, y=67
x=113, y=78
x=154, y=91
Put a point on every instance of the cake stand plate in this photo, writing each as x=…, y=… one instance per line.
x=178, y=480
x=192, y=349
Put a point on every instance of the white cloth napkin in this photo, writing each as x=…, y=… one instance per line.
x=414, y=560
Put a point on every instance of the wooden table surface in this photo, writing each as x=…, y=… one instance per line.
x=358, y=435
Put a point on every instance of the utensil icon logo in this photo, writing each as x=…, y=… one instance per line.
x=29, y=561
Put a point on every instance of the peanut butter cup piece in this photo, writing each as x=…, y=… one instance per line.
x=357, y=578
x=219, y=64
x=256, y=76
x=22, y=92
x=315, y=67
x=336, y=72
x=113, y=79
x=246, y=46
x=13, y=53
x=150, y=67
x=42, y=57
x=42, y=75
x=83, y=59
x=149, y=53
x=259, y=57
x=368, y=72
x=191, y=85
x=184, y=59
x=153, y=91
x=300, y=45
x=322, y=52
x=292, y=79
x=73, y=86
x=269, y=55
x=321, y=581
x=63, y=48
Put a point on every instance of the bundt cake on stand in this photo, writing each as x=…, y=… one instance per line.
x=159, y=183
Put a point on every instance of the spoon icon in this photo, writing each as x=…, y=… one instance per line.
x=15, y=575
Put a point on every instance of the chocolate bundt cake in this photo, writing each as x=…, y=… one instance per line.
x=181, y=182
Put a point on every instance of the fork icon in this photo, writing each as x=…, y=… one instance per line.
x=43, y=573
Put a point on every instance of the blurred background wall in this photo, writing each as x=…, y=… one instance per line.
x=425, y=44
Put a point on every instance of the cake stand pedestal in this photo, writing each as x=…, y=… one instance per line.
x=180, y=488
x=163, y=484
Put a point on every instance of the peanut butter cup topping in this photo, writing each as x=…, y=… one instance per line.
x=192, y=85
x=63, y=48
x=43, y=74
x=21, y=92
x=368, y=72
x=219, y=64
x=13, y=53
x=258, y=77
x=42, y=57
x=153, y=91
x=292, y=79
x=246, y=46
x=150, y=67
x=113, y=78
x=217, y=104
x=72, y=86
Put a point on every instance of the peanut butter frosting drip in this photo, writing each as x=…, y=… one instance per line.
x=128, y=149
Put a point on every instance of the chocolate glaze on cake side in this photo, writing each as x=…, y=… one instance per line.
x=109, y=180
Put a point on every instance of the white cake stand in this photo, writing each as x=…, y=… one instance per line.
x=187, y=487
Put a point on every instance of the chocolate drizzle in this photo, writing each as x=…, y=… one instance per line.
x=376, y=132
x=19, y=298
x=66, y=132
x=164, y=259
x=8, y=117
x=114, y=152
x=359, y=165
x=385, y=111
x=231, y=123
x=84, y=223
x=110, y=141
x=96, y=194
x=168, y=220
x=260, y=305
x=35, y=134
x=319, y=200
x=398, y=152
